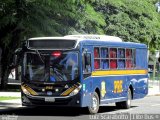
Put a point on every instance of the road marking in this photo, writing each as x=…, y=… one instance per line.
x=156, y=105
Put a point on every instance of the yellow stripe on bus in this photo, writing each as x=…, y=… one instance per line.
x=30, y=90
x=118, y=72
x=68, y=91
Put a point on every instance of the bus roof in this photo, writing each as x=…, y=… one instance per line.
x=82, y=37
x=95, y=37
x=92, y=40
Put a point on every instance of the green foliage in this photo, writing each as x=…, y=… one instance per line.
x=132, y=20
x=2, y=98
x=22, y=19
x=91, y=21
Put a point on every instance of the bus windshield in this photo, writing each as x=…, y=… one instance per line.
x=55, y=67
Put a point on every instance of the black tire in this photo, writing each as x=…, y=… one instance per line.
x=95, y=104
x=125, y=104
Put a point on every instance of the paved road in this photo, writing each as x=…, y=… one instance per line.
x=148, y=105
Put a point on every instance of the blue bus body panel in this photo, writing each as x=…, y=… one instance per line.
x=112, y=44
x=139, y=82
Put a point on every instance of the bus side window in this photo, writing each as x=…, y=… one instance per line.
x=86, y=63
x=113, y=58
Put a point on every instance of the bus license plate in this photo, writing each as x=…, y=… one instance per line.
x=49, y=99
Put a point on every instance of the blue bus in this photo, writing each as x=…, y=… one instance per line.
x=83, y=71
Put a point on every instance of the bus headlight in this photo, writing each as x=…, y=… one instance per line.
x=25, y=91
x=75, y=91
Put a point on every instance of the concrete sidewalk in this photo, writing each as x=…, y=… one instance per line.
x=154, y=87
x=154, y=90
x=10, y=94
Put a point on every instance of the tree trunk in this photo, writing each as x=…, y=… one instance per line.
x=7, y=58
x=5, y=70
x=0, y=65
x=4, y=79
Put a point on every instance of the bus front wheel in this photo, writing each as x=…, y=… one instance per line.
x=93, y=109
x=125, y=104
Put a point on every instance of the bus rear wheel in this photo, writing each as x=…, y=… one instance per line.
x=93, y=109
x=125, y=104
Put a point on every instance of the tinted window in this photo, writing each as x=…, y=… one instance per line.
x=51, y=44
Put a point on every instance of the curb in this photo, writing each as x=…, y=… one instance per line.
x=11, y=108
x=157, y=94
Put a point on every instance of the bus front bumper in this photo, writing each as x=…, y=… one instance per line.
x=70, y=101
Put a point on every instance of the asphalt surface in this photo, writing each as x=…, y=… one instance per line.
x=147, y=105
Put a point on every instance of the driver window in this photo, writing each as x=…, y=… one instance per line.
x=86, y=63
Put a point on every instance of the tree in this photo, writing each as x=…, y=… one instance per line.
x=132, y=20
x=21, y=19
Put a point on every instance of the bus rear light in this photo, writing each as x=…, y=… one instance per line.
x=56, y=53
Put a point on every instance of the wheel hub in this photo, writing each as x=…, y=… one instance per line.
x=94, y=103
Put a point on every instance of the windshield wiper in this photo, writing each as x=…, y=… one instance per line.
x=39, y=56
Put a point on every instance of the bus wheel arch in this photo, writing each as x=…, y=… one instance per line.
x=126, y=104
x=131, y=88
x=99, y=94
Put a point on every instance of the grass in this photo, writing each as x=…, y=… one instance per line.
x=8, y=98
